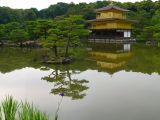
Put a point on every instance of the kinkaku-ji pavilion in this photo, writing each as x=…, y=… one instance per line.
x=111, y=26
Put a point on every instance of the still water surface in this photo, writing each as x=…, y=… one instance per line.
x=104, y=86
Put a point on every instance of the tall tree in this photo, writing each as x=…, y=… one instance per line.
x=33, y=30
x=54, y=40
x=30, y=14
x=73, y=29
x=44, y=26
x=19, y=36
x=2, y=34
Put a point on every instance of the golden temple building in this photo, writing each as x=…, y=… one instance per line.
x=111, y=25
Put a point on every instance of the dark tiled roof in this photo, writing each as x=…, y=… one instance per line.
x=111, y=7
x=110, y=19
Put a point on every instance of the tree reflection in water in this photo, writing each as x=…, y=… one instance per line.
x=63, y=82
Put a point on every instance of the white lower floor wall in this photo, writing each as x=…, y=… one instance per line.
x=127, y=33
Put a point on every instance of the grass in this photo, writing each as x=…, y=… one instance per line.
x=11, y=109
x=29, y=112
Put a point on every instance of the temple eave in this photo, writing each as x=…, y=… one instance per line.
x=111, y=20
x=111, y=28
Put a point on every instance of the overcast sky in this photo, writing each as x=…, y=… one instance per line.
x=40, y=4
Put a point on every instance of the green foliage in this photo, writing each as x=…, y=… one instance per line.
x=43, y=26
x=9, y=107
x=19, y=35
x=55, y=38
x=87, y=10
x=56, y=117
x=2, y=33
x=12, y=110
x=73, y=31
x=32, y=30
x=30, y=14
x=156, y=18
x=150, y=33
x=66, y=32
x=29, y=112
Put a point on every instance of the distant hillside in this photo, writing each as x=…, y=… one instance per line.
x=87, y=10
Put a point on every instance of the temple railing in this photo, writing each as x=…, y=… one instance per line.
x=112, y=40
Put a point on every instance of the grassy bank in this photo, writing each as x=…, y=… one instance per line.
x=11, y=109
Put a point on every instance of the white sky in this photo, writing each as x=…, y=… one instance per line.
x=40, y=4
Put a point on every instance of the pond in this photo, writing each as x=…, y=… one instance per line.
x=110, y=83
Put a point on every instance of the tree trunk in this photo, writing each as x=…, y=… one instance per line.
x=69, y=76
x=55, y=51
x=67, y=46
x=56, y=72
x=45, y=34
x=2, y=44
x=21, y=44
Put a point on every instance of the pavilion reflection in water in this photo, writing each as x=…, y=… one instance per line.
x=110, y=58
